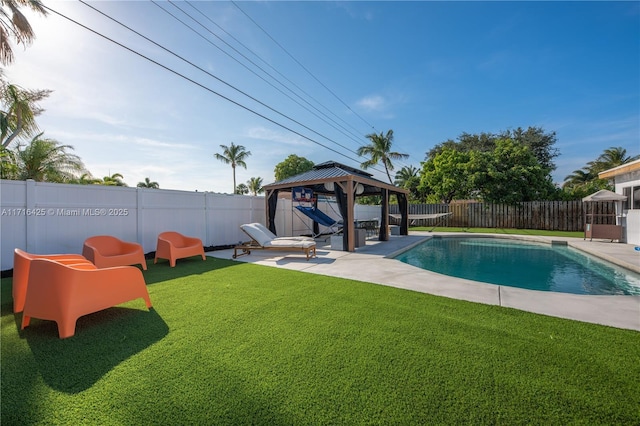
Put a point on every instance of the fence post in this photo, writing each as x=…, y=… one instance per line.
x=208, y=239
x=139, y=216
x=31, y=232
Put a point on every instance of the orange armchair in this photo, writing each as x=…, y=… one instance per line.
x=173, y=246
x=63, y=293
x=106, y=251
x=21, y=267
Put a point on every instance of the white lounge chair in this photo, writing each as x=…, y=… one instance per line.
x=275, y=237
x=261, y=240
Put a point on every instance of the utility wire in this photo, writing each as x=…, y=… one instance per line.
x=279, y=73
x=208, y=73
x=302, y=66
x=253, y=72
x=305, y=68
x=263, y=70
x=197, y=83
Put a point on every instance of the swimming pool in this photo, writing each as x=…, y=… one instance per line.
x=529, y=265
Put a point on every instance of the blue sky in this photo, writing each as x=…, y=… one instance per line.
x=428, y=70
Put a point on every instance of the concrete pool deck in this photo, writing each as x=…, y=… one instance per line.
x=374, y=263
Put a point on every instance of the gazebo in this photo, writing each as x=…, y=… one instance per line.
x=609, y=231
x=345, y=184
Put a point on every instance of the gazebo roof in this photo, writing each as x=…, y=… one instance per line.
x=604, y=195
x=332, y=171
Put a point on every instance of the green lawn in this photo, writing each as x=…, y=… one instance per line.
x=574, y=234
x=234, y=343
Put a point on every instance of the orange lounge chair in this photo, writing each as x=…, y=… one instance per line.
x=63, y=293
x=21, y=266
x=106, y=251
x=172, y=245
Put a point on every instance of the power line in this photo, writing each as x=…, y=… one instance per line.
x=197, y=83
x=210, y=74
x=302, y=66
x=278, y=72
x=253, y=72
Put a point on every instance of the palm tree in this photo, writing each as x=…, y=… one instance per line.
x=234, y=155
x=255, y=185
x=19, y=109
x=405, y=176
x=88, y=179
x=242, y=189
x=408, y=178
x=13, y=23
x=8, y=166
x=148, y=184
x=579, y=178
x=113, y=180
x=610, y=158
x=45, y=160
x=379, y=151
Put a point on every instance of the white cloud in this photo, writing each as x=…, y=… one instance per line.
x=270, y=135
x=146, y=142
x=372, y=103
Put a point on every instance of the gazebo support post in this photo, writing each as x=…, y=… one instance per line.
x=271, y=202
x=349, y=220
x=384, y=220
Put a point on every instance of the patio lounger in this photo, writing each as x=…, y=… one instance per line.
x=63, y=293
x=172, y=245
x=275, y=237
x=106, y=251
x=22, y=266
x=263, y=241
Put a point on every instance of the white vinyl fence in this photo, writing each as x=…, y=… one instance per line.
x=47, y=218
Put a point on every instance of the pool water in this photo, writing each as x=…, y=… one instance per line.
x=533, y=266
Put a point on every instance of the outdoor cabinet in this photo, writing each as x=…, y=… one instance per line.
x=605, y=232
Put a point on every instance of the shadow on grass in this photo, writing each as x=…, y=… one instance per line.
x=162, y=271
x=102, y=341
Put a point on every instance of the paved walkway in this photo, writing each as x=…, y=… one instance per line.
x=373, y=263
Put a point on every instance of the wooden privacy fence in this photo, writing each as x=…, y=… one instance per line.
x=546, y=215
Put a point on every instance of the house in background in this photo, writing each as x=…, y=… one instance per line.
x=626, y=179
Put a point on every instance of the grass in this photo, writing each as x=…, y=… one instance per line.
x=234, y=343
x=571, y=234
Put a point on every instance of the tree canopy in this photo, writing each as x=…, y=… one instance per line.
x=379, y=151
x=291, y=166
x=408, y=178
x=445, y=175
x=234, y=155
x=539, y=142
x=254, y=185
x=148, y=183
x=113, y=180
x=13, y=24
x=242, y=189
x=19, y=109
x=509, y=173
x=46, y=160
x=585, y=181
